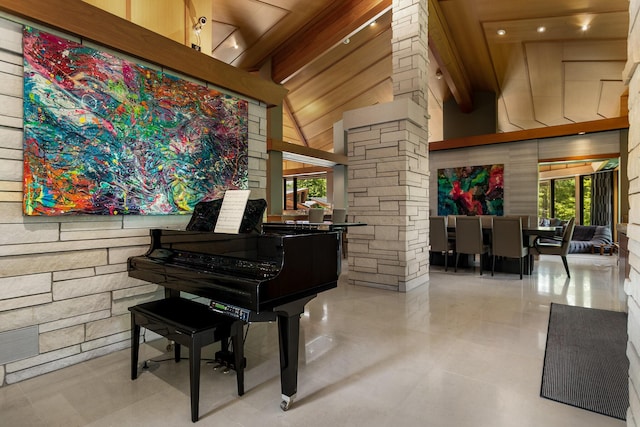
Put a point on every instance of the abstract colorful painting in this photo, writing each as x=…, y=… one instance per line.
x=471, y=190
x=106, y=136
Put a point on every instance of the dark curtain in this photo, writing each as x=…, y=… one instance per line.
x=602, y=198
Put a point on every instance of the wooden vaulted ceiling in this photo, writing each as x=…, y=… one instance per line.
x=560, y=76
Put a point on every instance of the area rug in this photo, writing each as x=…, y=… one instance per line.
x=585, y=364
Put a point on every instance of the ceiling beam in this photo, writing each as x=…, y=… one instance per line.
x=310, y=153
x=321, y=34
x=603, y=125
x=448, y=58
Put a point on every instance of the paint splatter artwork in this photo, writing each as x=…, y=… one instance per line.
x=471, y=190
x=106, y=136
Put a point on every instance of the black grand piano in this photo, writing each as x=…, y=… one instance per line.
x=253, y=275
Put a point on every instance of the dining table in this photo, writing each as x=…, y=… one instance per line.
x=529, y=235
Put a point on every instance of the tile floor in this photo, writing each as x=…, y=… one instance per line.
x=465, y=351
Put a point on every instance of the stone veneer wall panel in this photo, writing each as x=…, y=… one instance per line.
x=631, y=76
x=388, y=190
x=68, y=275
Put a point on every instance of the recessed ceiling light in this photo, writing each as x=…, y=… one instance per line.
x=372, y=24
x=585, y=27
x=346, y=41
x=541, y=29
x=501, y=32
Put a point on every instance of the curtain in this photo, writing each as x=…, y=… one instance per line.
x=602, y=198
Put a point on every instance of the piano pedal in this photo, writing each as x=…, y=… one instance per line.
x=226, y=360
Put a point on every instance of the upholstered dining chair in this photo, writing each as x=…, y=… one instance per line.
x=469, y=238
x=557, y=247
x=439, y=238
x=506, y=240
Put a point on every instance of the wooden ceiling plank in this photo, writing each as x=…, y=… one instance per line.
x=448, y=59
x=342, y=71
x=322, y=34
x=380, y=92
x=294, y=123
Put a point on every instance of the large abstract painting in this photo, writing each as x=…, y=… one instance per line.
x=106, y=136
x=471, y=190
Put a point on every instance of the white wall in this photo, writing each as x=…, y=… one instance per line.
x=64, y=287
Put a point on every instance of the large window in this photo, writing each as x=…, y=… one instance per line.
x=300, y=190
x=581, y=189
x=557, y=199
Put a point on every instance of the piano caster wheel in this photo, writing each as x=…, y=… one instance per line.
x=170, y=347
x=218, y=366
x=226, y=370
x=286, y=402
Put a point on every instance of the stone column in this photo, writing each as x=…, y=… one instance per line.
x=631, y=76
x=388, y=175
x=410, y=46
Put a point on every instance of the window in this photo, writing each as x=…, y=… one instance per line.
x=563, y=192
x=585, y=197
x=544, y=199
x=557, y=199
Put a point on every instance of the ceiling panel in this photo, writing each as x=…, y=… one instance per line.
x=610, y=98
x=562, y=75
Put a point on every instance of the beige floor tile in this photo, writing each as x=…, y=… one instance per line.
x=467, y=350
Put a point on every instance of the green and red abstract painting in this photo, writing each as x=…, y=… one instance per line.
x=471, y=190
x=106, y=136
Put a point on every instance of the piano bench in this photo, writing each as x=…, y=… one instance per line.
x=193, y=325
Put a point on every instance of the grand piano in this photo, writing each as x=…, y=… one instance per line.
x=254, y=276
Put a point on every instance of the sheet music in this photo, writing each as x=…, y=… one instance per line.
x=232, y=211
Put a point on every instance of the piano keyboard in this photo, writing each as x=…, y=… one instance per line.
x=253, y=269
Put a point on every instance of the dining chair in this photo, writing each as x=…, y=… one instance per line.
x=439, y=238
x=507, y=242
x=469, y=238
x=559, y=246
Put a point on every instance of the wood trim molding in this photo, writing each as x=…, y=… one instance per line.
x=616, y=123
x=310, y=170
x=85, y=21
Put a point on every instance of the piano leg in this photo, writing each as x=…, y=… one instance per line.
x=135, y=347
x=238, y=352
x=289, y=338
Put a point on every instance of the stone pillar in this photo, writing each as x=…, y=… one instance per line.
x=631, y=76
x=410, y=46
x=388, y=185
